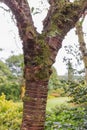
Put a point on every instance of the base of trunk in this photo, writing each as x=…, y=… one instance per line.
x=34, y=105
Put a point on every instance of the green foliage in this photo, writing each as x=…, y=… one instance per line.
x=75, y=89
x=59, y=118
x=78, y=91
x=54, y=81
x=4, y=70
x=63, y=118
x=11, y=90
x=10, y=79
x=10, y=114
x=15, y=64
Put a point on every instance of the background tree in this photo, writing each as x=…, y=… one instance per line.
x=82, y=44
x=40, y=51
x=70, y=71
x=73, y=54
x=15, y=63
x=10, y=84
x=53, y=81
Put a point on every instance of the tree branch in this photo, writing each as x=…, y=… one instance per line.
x=23, y=17
x=61, y=14
x=61, y=17
x=7, y=10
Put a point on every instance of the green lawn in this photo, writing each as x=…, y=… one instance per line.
x=51, y=103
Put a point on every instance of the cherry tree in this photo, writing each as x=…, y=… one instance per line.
x=40, y=51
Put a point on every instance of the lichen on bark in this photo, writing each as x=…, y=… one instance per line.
x=40, y=52
x=37, y=65
x=61, y=17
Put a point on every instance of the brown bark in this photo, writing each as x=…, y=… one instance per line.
x=34, y=106
x=40, y=51
x=82, y=44
x=60, y=19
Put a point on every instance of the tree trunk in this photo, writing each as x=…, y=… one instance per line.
x=34, y=105
x=40, y=51
x=82, y=45
x=70, y=71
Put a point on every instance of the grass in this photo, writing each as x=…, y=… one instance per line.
x=53, y=102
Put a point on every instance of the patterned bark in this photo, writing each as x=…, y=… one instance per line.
x=40, y=51
x=34, y=106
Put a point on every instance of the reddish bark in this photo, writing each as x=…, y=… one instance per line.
x=33, y=117
x=37, y=72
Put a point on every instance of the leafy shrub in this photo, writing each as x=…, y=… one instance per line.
x=56, y=93
x=60, y=118
x=78, y=92
x=11, y=77
x=10, y=114
x=63, y=118
x=11, y=90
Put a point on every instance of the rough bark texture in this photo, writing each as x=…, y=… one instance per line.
x=34, y=106
x=82, y=45
x=61, y=17
x=40, y=51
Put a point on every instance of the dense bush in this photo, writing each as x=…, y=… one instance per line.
x=60, y=118
x=78, y=91
x=11, y=90
x=64, y=118
x=54, y=80
x=10, y=114
x=10, y=82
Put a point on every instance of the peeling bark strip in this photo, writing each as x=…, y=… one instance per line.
x=40, y=51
